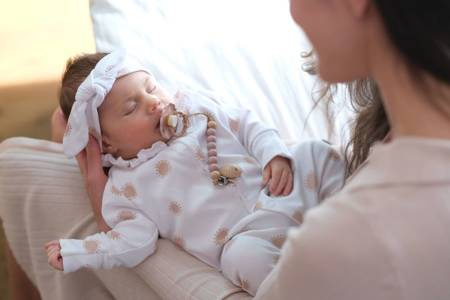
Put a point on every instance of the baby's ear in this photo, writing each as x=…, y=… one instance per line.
x=107, y=146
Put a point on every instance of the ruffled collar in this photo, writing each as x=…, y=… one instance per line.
x=144, y=155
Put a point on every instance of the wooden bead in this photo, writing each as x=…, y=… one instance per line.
x=211, y=131
x=212, y=152
x=211, y=145
x=230, y=171
x=213, y=167
x=215, y=175
x=211, y=138
x=212, y=160
x=212, y=124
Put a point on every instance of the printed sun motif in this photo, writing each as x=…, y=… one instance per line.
x=179, y=241
x=127, y=215
x=234, y=125
x=199, y=155
x=175, y=207
x=311, y=181
x=221, y=236
x=113, y=235
x=278, y=240
x=298, y=216
x=129, y=191
x=91, y=246
x=162, y=167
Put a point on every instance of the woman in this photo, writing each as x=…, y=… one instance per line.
x=385, y=235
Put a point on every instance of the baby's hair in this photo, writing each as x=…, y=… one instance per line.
x=77, y=69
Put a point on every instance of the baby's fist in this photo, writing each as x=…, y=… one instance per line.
x=278, y=174
x=55, y=259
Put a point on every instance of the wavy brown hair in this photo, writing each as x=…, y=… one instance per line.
x=370, y=124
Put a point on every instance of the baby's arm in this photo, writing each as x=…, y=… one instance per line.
x=265, y=144
x=127, y=244
x=261, y=141
x=53, y=249
x=132, y=238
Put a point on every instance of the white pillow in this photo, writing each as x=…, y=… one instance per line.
x=247, y=51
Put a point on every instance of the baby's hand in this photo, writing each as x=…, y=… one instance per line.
x=278, y=173
x=55, y=259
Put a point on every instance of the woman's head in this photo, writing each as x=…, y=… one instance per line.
x=344, y=34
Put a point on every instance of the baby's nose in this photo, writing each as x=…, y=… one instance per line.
x=153, y=104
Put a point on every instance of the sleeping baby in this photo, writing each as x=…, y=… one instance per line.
x=211, y=178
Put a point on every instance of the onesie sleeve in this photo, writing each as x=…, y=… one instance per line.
x=132, y=238
x=261, y=141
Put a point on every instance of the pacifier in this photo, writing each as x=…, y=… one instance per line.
x=173, y=123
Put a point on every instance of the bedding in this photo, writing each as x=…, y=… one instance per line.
x=248, y=51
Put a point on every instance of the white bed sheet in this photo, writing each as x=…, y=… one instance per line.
x=247, y=51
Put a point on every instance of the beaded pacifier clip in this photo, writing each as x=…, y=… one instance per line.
x=175, y=124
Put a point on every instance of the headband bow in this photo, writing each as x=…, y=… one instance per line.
x=83, y=118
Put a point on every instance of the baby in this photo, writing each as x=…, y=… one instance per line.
x=213, y=179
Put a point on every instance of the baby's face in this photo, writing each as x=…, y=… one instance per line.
x=130, y=115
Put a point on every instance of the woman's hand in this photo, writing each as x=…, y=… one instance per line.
x=278, y=174
x=91, y=168
x=55, y=259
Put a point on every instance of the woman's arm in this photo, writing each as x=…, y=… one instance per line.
x=95, y=179
x=89, y=161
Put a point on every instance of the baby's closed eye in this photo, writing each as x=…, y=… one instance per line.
x=130, y=107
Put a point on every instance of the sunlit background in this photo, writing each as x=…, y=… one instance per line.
x=36, y=38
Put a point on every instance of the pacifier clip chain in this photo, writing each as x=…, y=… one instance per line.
x=219, y=175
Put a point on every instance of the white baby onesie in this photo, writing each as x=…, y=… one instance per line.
x=167, y=191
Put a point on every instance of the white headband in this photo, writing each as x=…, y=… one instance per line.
x=83, y=118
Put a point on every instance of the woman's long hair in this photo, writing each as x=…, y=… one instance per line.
x=370, y=124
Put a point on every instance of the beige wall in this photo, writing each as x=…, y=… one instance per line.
x=36, y=39
x=37, y=36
